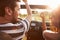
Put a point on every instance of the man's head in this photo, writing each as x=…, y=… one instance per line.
x=9, y=9
x=56, y=17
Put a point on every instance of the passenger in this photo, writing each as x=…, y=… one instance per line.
x=9, y=22
x=55, y=20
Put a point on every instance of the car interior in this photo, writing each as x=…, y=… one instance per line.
x=38, y=6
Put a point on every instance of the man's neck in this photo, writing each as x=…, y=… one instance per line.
x=3, y=20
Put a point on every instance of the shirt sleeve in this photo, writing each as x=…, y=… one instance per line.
x=26, y=24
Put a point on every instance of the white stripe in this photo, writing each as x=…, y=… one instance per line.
x=13, y=31
x=10, y=25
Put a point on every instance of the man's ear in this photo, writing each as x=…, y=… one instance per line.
x=8, y=11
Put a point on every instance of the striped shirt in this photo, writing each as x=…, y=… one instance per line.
x=16, y=31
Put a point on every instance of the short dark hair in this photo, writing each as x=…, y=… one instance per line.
x=7, y=3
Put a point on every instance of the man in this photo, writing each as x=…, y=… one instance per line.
x=9, y=22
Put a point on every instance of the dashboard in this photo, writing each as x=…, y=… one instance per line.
x=37, y=25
